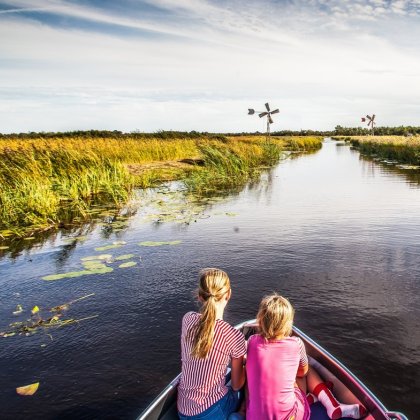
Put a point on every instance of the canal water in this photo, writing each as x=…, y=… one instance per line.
x=336, y=233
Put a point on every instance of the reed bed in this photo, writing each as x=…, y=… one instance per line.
x=399, y=148
x=45, y=181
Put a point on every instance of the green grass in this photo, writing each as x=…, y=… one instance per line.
x=47, y=181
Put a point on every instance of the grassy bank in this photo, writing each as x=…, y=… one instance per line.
x=47, y=181
x=398, y=148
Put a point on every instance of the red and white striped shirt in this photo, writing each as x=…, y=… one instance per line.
x=203, y=380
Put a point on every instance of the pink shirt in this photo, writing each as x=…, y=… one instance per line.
x=203, y=380
x=271, y=369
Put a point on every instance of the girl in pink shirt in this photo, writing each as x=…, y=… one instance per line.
x=277, y=364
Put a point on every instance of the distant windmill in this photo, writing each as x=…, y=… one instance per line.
x=267, y=114
x=371, y=122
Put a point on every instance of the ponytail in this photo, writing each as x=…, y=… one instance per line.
x=213, y=286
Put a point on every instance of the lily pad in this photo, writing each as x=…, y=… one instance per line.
x=71, y=239
x=150, y=243
x=97, y=257
x=127, y=264
x=106, y=247
x=73, y=274
x=93, y=265
x=28, y=389
x=124, y=257
x=19, y=310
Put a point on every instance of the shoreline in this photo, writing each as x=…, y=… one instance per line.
x=48, y=183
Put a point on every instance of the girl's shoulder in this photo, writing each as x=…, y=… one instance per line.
x=226, y=328
x=258, y=338
x=229, y=335
x=190, y=317
x=255, y=338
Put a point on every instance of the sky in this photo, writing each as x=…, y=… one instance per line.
x=146, y=65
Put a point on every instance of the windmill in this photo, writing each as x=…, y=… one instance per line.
x=371, y=122
x=267, y=114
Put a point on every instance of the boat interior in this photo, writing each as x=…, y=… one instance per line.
x=346, y=387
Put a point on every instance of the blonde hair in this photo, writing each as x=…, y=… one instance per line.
x=213, y=285
x=275, y=317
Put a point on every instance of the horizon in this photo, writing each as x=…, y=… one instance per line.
x=196, y=65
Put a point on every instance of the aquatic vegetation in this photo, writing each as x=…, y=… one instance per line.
x=106, y=257
x=28, y=389
x=47, y=181
x=19, y=310
x=124, y=257
x=106, y=247
x=93, y=265
x=128, y=264
x=150, y=243
x=399, y=149
x=37, y=322
x=73, y=274
x=75, y=238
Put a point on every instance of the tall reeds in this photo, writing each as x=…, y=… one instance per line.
x=43, y=181
x=399, y=148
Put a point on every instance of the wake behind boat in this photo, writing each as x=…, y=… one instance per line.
x=347, y=387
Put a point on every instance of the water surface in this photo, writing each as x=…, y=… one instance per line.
x=336, y=233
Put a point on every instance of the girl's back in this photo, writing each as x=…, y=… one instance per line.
x=203, y=380
x=271, y=367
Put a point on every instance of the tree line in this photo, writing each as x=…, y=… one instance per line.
x=163, y=134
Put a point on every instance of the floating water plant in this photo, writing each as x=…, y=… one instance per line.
x=93, y=265
x=36, y=322
x=71, y=239
x=124, y=257
x=28, y=389
x=127, y=264
x=106, y=247
x=66, y=306
x=19, y=310
x=97, y=257
x=72, y=274
x=150, y=243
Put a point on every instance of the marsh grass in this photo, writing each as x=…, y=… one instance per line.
x=399, y=148
x=46, y=181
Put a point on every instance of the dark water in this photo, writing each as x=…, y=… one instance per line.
x=337, y=234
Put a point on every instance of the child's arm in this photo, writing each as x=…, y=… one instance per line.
x=237, y=373
x=303, y=360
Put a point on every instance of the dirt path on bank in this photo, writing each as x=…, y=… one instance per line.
x=139, y=168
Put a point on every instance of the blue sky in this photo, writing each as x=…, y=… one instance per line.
x=198, y=65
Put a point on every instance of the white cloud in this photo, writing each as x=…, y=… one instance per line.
x=319, y=68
